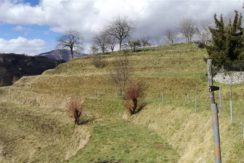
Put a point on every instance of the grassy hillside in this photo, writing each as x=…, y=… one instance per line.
x=174, y=127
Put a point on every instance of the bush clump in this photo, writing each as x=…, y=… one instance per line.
x=75, y=108
x=134, y=97
x=99, y=62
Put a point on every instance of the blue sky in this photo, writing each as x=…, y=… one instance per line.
x=33, y=26
x=31, y=2
x=12, y=31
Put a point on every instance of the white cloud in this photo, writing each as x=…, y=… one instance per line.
x=22, y=45
x=151, y=17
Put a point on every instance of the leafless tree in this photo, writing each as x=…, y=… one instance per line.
x=120, y=73
x=71, y=40
x=111, y=42
x=204, y=34
x=134, y=44
x=120, y=29
x=101, y=40
x=170, y=36
x=145, y=42
x=188, y=29
x=94, y=49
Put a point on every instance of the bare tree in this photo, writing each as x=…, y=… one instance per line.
x=120, y=73
x=204, y=34
x=101, y=40
x=71, y=40
x=170, y=36
x=111, y=42
x=188, y=29
x=94, y=49
x=145, y=42
x=120, y=29
x=134, y=44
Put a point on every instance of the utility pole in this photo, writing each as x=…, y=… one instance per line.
x=215, y=112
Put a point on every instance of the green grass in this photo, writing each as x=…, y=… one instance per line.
x=125, y=142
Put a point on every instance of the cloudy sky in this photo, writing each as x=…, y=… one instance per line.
x=33, y=26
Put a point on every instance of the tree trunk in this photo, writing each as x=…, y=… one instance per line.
x=72, y=52
x=120, y=45
x=103, y=49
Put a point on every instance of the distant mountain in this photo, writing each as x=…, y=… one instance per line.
x=61, y=54
x=14, y=66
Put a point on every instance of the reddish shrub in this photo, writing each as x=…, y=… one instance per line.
x=134, y=97
x=75, y=108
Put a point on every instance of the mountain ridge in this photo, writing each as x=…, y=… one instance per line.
x=61, y=54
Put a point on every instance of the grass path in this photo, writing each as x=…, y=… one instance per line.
x=126, y=143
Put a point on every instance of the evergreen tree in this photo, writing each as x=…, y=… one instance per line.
x=227, y=41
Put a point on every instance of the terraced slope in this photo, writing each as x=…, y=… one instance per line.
x=174, y=127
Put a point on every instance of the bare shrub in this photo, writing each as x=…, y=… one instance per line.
x=99, y=62
x=75, y=107
x=134, y=97
x=120, y=73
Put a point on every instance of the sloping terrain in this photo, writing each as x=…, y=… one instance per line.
x=174, y=127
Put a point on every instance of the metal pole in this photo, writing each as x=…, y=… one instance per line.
x=215, y=118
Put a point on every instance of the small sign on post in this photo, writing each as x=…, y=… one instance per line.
x=215, y=112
